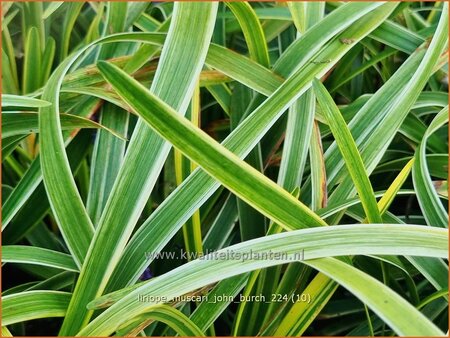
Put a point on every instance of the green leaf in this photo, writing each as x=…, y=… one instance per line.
x=251, y=222
x=10, y=82
x=349, y=152
x=31, y=180
x=72, y=11
x=173, y=318
x=178, y=207
x=392, y=191
x=301, y=314
x=39, y=256
x=398, y=37
x=207, y=312
x=35, y=176
x=374, y=146
x=386, y=303
x=135, y=189
x=5, y=332
x=23, y=306
x=314, y=243
x=429, y=202
x=22, y=101
x=9, y=85
x=298, y=132
x=31, y=77
x=25, y=123
x=75, y=225
x=107, y=158
x=47, y=59
x=253, y=32
x=319, y=193
x=212, y=157
x=51, y=8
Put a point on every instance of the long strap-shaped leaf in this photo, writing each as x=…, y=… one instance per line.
x=394, y=111
x=429, y=202
x=384, y=113
x=389, y=32
x=377, y=143
x=321, y=287
x=253, y=33
x=64, y=198
x=26, y=188
x=14, y=124
x=22, y=101
x=238, y=176
x=24, y=306
x=33, y=177
x=180, y=63
x=174, y=318
x=178, y=207
x=207, y=312
x=411, y=323
x=302, y=134
x=241, y=68
x=107, y=158
x=108, y=152
x=369, y=116
x=368, y=239
x=250, y=316
x=250, y=220
x=31, y=75
x=311, y=244
x=349, y=152
x=301, y=114
x=300, y=52
x=39, y=256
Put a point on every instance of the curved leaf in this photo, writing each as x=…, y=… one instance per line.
x=110, y=239
x=25, y=123
x=349, y=152
x=369, y=239
x=429, y=202
x=22, y=101
x=39, y=256
x=212, y=157
x=29, y=305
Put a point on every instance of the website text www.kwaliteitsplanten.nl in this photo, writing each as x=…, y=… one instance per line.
x=227, y=255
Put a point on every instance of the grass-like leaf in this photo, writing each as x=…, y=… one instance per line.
x=367, y=239
x=349, y=151
x=104, y=221
x=22, y=101
x=14, y=124
x=215, y=159
x=29, y=305
x=39, y=256
x=109, y=239
x=432, y=207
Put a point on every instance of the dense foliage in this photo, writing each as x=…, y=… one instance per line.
x=211, y=168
